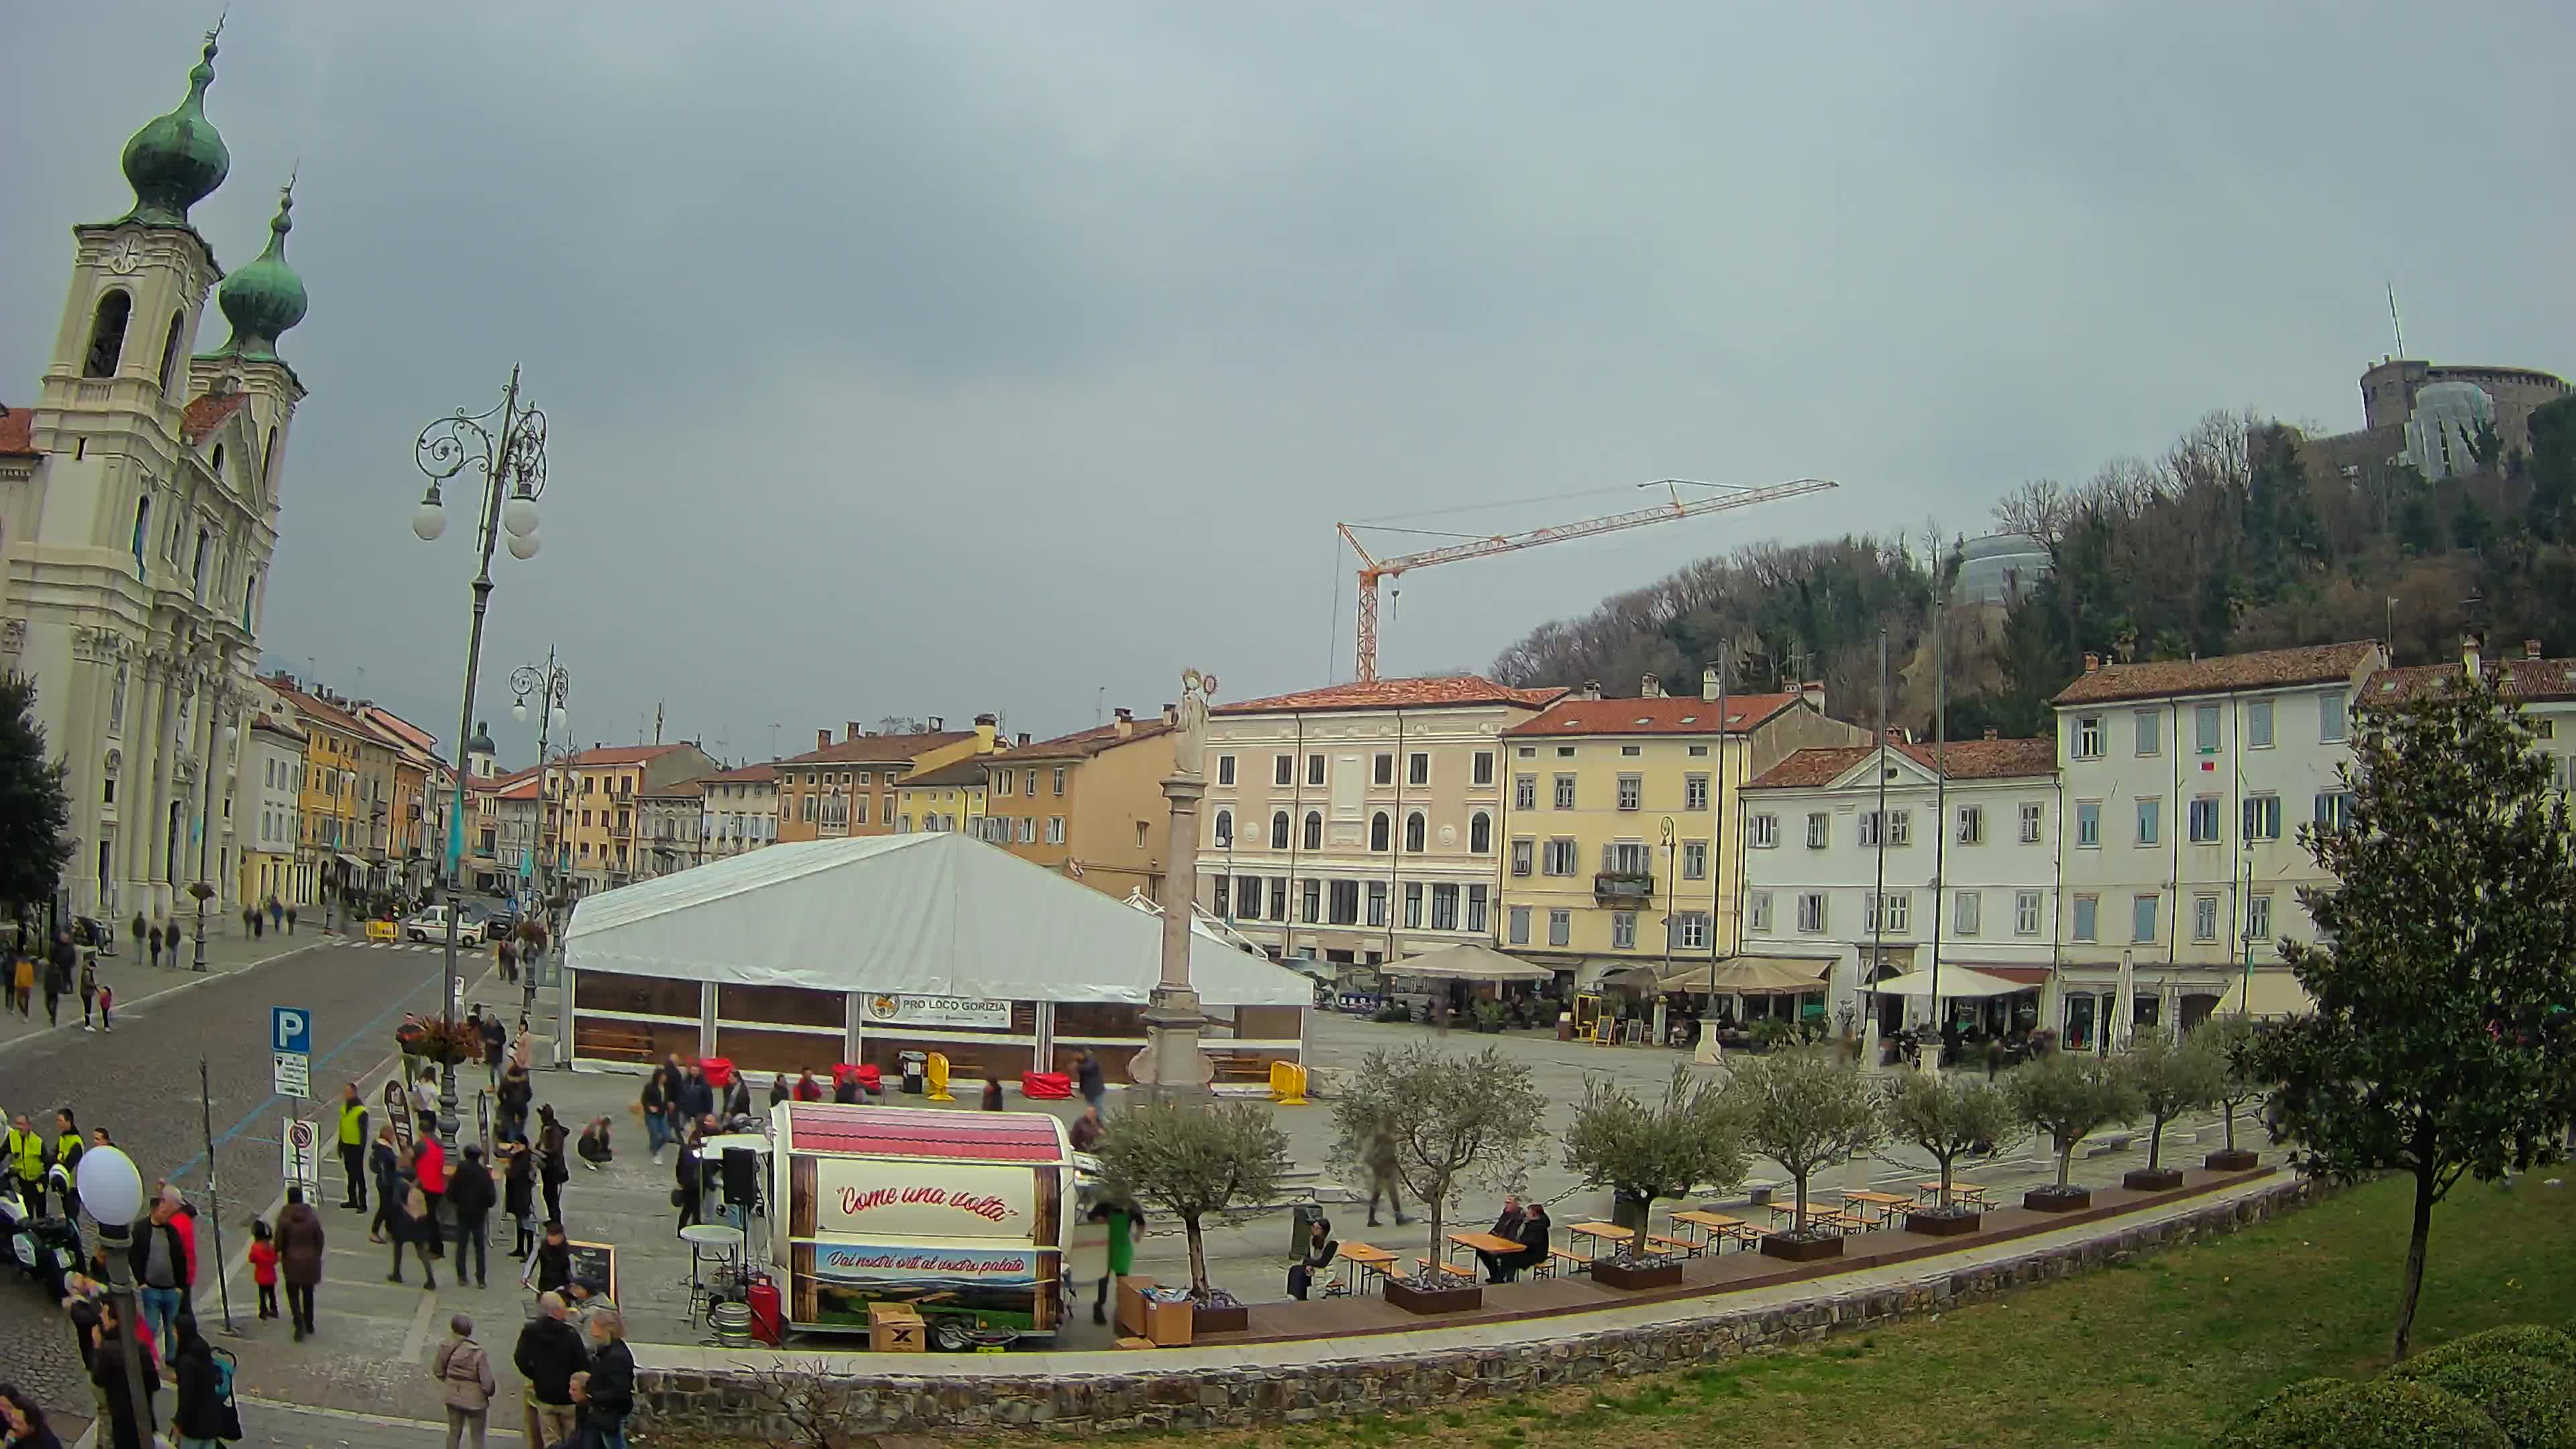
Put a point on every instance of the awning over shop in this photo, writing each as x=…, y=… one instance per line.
x=1468, y=961
x=2020, y=975
x=1752, y=976
x=2276, y=993
x=351, y=861
x=1960, y=981
x=914, y=915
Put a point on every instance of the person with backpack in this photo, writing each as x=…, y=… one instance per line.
x=470, y=1197
x=205, y=1414
x=465, y=1380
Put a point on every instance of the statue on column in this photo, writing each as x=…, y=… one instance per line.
x=1189, y=746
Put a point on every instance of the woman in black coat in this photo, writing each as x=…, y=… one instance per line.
x=552, y=1167
x=519, y=1195
x=200, y=1412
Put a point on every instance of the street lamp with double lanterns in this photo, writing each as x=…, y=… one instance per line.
x=507, y=445
x=552, y=687
x=112, y=1191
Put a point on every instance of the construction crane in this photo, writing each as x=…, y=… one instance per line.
x=1374, y=569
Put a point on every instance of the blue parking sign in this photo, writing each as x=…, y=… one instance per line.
x=290, y=1029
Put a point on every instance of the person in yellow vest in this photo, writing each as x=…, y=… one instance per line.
x=353, y=1147
x=26, y=1147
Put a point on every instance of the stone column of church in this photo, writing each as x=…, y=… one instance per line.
x=163, y=869
x=136, y=813
x=94, y=676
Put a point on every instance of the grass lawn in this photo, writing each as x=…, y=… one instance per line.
x=2164, y=1352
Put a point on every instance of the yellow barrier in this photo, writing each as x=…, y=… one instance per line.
x=935, y=1071
x=381, y=931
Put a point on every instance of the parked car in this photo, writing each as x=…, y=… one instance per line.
x=430, y=926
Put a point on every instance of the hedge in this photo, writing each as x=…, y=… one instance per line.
x=2384, y=1413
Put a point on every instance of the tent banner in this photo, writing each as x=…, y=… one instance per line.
x=938, y=1011
x=924, y=1199
x=929, y=1267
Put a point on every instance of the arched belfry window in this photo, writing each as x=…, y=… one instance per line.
x=170, y=351
x=107, y=334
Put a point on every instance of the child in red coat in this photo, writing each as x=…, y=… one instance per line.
x=263, y=1267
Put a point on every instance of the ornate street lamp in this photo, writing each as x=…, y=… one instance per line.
x=507, y=445
x=552, y=686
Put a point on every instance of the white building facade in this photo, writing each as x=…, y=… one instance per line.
x=270, y=818
x=1309, y=842
x=2186, y=782
x=1956, y=861
x=138, y=513
x=739, y=811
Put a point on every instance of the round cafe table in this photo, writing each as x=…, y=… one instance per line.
x=709, y=1243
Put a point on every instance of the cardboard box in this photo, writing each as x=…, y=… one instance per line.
x=896, y=1328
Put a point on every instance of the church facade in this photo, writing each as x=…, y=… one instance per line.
x=138, y=513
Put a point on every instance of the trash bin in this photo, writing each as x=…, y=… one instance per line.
x=1565, y=1026
x=916, y=1073
x=1301, y=1225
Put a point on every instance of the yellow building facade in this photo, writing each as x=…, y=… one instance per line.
x=329, y=833
x=1621, y=823
x=1089, y=804
x=850, y=786
x=948, y=797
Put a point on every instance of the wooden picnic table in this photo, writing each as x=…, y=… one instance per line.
x=1595, y=1234
x=1487, y=1243
x=1362, y=1259
x=1711, y=1225
x=1886, y=1203
x=1965, y=1191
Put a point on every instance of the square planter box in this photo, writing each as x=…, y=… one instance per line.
x=1943, y=1225
x=1610, y=1273
x=2152, y=1179
x=2057, y=1200
x=1233, y=1319
x=2231, y=1159
x=1802, y=1250
x=1434, y=1300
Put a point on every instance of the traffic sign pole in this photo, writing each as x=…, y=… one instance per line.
x=214, y=1200
x=290, y=1045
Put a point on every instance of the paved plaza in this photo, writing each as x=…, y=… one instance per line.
x=375, y=1337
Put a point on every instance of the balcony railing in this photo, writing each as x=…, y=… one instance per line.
x=1621, y=885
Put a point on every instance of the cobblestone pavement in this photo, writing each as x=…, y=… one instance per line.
x=140, y=1082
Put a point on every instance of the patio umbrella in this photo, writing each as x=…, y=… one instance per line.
x=2124, y=1009
x=1468, y=961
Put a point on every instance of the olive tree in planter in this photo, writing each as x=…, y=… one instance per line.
x=1454, y=1122
x=1196, y=1162
x=2069, y=1095
x=1646, y=1151
x=2228, y=1038
x=1805, y=1109
x=1946, y=1116
x=2170, y=1079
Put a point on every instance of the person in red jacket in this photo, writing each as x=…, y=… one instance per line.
x=807, y=1089
x=263, y=1266
x=429, y=1170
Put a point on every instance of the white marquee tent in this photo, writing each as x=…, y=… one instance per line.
x=916, y=915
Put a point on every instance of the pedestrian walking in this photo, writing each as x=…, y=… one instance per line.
x=518, y=1194
x=352, y=1138
x=495, y=1038
x=1383, y=1176
x=993, y=1094
x=465, y=1380
x=410, y=1226
x=549, y=1268
x=299, y=1258
x=115, y=1391
x=688, y=1193
x=155, y=942
x=88, y=989
x=59, y=967
x=263, y=1266
x=384, y=1167
x=1088, y=1130
x=508, y=960
x=552, y=1169
x=429, y=1174
x=1126, y=1223
x=523, y=1049
x=290, y=920
x=160, y=1266
x=469, y=1197
x=607, y=1394
x=22, y=984
x=513, y=1095
x=549, y=1352
x=778, y=1090
x=25, y=1421
x=1088, y=1080
x=655, y=1109
x=737, y=1097
x=276, y=915
x=252, y=924
x=204, y=1413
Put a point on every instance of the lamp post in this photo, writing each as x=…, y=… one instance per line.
x=112, y=1191
x=552, y=686
x=507, y=445
x=204, y=890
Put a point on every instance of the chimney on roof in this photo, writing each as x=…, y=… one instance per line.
x=1896, y=734
x=850, y=730
x=1813, y=692
x=1024, y=739
x=2530, y=648
x=1171, y=714
x=822, y=739
x=1124, y=722
x=1709, y=688
x=2471, y=642
x=988, y=730
x=1990, y=732
x=1650, y=687
x=2092, y=663
x=1591, y=690
x=938, y=724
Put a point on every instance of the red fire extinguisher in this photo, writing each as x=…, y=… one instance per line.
x=767, y=1325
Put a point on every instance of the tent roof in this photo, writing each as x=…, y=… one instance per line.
x=1955, y=981
x=939, y=914
x=1468, y=961
x=1753, y=976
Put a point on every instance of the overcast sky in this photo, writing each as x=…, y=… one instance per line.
x=938, y=358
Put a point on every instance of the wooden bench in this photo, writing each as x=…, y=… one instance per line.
x=1683, y=1246
x=1451, y=1269
x=1571, y=1262
x=607, y=1043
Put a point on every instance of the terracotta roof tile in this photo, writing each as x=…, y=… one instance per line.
x=620, y=755
x=1963, y=759
x=1664, y=715
x=677, y=789
x=766, y=772
x=17, y=432
x=2530, y=680
x=207, y=413
x=968, y=771
x=877, y=749
x=1082, y=744
x=308, y=703
x=2314, y=664
x=1424, y=693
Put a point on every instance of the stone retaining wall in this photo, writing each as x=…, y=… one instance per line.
x=751, y=1405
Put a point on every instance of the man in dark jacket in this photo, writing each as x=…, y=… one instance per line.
x=550, y=1351
x=59, y=969
x=470, y=1197
x=107, y=1370
x=697, y=1098
x=610, y=1395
